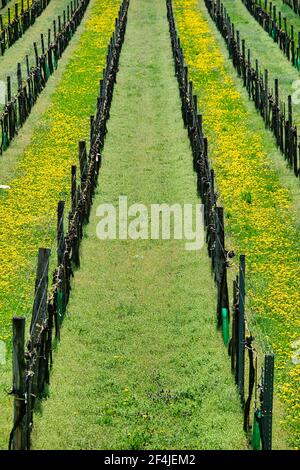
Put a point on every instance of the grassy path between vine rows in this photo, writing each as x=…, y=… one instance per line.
x=140, y=364
x=10, y=158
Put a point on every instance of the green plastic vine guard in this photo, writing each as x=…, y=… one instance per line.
x=256, y=430
x=225, y=326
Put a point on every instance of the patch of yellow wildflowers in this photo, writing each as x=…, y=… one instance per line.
x=260, y=219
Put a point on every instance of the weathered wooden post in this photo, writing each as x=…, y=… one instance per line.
x=92, y=123
x=74, y=201
x=84, y=179
x=266, y=100
x=289, y=143
x=244, y=63
x=41, y=285
x=19, y=430
x=267, y=401
x=36, y=54
x=10, y=119
x=39, y=315
x=83, y=162
x=73, y=188
x=277, y=112
x=223, y=298
x=249, y=73
x=211, y=227
x=234, y=333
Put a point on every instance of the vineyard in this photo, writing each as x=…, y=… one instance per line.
x=150, y=235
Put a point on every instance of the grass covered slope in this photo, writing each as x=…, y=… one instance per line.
x=140, y=364
x=42, y=177
x=260, y=215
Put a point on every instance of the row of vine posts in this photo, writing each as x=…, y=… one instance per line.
x=237, y=341
x=20, y=22
x=277, y=116
x=275, y=25
x=32, y=361
x=19, y=106
x=294, y=4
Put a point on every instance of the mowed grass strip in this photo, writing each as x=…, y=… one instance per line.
x=42, y=177
x=260, y=204
x=141, y=364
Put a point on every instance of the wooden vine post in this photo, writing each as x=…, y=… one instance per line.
x=241, y=330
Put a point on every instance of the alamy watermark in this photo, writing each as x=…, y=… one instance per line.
x=157, y=221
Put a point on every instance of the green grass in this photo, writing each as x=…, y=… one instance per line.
x=140, y=364
x=289, y=14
